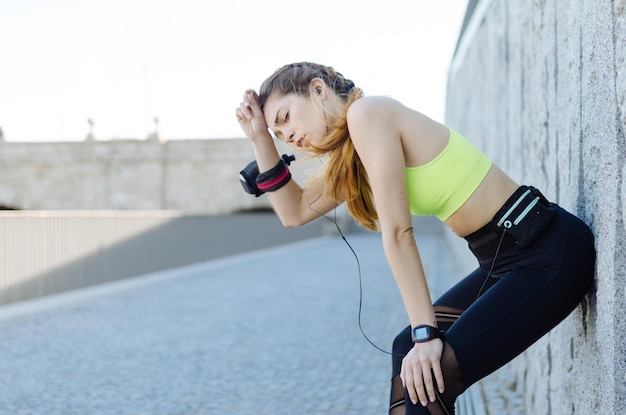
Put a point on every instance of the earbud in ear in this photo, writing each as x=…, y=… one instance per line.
x=319, y=91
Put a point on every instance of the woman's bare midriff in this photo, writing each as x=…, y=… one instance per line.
x=495, y=189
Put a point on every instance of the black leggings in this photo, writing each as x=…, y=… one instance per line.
x=529, y=292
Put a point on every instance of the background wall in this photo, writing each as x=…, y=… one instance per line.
x=540, y=86
x=183, y=175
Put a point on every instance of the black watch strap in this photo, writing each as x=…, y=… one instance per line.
x=424, y=333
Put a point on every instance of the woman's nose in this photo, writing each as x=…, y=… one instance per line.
x=290, y=136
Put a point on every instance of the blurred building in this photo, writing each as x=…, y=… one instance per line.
x=182, y=175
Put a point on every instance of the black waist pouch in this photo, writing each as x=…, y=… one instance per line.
x=525, y=215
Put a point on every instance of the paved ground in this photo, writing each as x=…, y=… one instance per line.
x=269, y=332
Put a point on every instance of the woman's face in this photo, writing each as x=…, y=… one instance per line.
x=295, y=120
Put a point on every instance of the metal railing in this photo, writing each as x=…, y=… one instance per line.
x=46, y=252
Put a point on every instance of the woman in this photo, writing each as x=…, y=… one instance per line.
x=386, y=161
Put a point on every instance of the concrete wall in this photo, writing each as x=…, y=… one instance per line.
x=182, y=175
x=540, y=85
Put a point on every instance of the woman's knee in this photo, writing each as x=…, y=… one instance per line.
x=402, y=343
x=401, y=346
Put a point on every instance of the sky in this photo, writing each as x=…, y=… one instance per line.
x=121, y=63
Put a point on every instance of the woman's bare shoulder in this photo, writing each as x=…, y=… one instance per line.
x=370, y=104
x=381, y=109
x=375, y=110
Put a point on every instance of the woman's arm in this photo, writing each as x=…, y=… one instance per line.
x=374, y=127
x=294, y=205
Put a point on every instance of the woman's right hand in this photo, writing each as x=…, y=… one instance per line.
x=251, y=117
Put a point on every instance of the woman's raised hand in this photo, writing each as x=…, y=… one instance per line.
x=419, y=366
x=250, y=116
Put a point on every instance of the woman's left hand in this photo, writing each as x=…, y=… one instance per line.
x=418, y=368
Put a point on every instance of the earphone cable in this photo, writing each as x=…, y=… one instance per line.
x=358, y=263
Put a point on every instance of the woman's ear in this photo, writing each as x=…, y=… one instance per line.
x=319, y=87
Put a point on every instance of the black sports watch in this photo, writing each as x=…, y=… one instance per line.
x=424, y=333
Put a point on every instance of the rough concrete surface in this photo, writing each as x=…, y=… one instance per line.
x=539, y=86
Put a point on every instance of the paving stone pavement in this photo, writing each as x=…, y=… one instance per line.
x=270, y=332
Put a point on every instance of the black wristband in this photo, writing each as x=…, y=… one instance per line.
x=274, y=178
x=247, y=178
x=249, y=175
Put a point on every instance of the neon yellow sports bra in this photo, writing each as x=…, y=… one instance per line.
x=441, y=186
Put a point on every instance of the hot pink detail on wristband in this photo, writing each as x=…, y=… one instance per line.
x=270, y=184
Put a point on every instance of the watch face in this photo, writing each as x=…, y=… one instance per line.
x=424, y=333
x=420, y=333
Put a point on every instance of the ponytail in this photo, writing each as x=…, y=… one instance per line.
x=344, y=173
